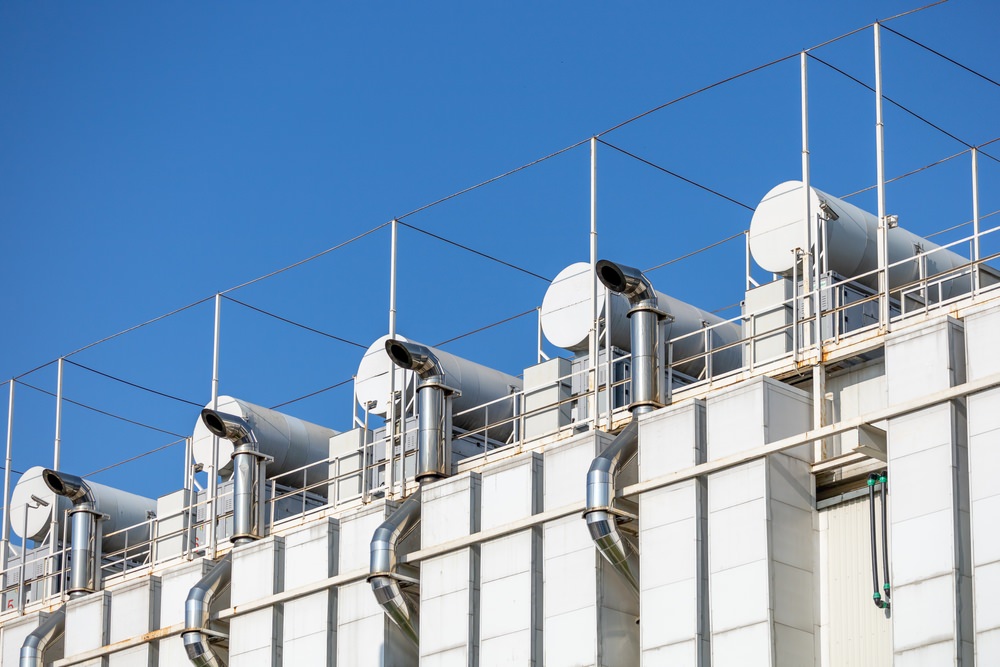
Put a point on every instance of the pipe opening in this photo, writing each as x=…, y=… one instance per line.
x=399, y=354
x=214, y=422
x=54, y=482
x=612, y=277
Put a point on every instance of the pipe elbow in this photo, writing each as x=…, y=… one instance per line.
x=383, y=564
x=414, y=357
x=197, y=613
x=229, y=427
x=32, y=652
x=70, y=486
x=627, y=281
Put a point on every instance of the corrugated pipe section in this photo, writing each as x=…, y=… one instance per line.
x=196, y=635
x=49, y=631
x=644, y=320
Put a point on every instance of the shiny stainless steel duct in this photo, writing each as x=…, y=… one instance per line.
x=383, y=575
x=85, y=539
x=432, y=395
x=644, y=318
x=245, y=455
x=197, y=613
x=47, y=632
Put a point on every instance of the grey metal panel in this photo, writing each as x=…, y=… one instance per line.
x=771, y=323
x=545, y=385
x=855, y=631
x=755, y=413
x=348, y=447
x=172, y=524
x=853, y=392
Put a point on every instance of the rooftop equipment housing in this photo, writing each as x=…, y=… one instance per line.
x=567, y=318
x=292, y=443
x=779, y=227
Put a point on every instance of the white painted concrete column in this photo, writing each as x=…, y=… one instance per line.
x=761, y=529
x=449, y=584
x=510, y=598
x=87, y=625
x=255, y=638
x=673, y=622
x=375, y=641
x=134, y=612
x=589, y=610
x=984, y=483
x=928, y=499
x=310, y=622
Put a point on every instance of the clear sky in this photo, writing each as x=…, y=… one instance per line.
x=154, y=154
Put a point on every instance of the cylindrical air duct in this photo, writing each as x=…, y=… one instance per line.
x=383, y=566
x=567, y=319
x=246, y=456
x=123, y=509
x=778, y=227
x=291, y=442
x=478, y=385
x=84, y=552
x=197, y=613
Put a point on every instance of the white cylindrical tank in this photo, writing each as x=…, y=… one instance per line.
x=122, y=508
x=371, y=383
x=478, y=385
x=291, y=442
x=778, y=227
x=566, y=319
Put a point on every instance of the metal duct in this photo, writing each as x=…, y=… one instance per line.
x=778, y=227
x=383, y=567
x=476, y=383
x=433, y=460
x=291, y=442
x=85, y=542
x=567, y=318
x=48, y=632
x=246, y=500
x=123, y=511
x=197, y=613
x=644, y=318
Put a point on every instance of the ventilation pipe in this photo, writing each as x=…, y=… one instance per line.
x=197, y=612
x=47, y=633
x=85, y=540
x=644, y=318
x=247, y=503
x=433, y=462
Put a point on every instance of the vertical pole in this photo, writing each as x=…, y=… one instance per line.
x=593, y=278
x=883, y=230
x=391, y=430
x=809, y=254
x=819, y=409
x=5, y=539
x=811, y=218
x=538, y=311
x=213, y=473
x=56, y=455
x=975, y=221
x=746, y=243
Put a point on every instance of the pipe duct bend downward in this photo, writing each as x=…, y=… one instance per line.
x=48, y=631
x=627, y=281
x=383, y=575
x=414, y=357
x=601, y=493
x=71, y=486
x=197, y=613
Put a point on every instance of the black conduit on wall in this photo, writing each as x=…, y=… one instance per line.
x=881, y=600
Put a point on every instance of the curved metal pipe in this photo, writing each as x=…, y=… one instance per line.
x=383, y=576
x=84, y=543
x=47, y=632
x=197, y=613
x=237, y=430
x=601, y=523
x=414, y=357
x=644, y=321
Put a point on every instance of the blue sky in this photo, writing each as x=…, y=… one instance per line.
x=154, y=154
